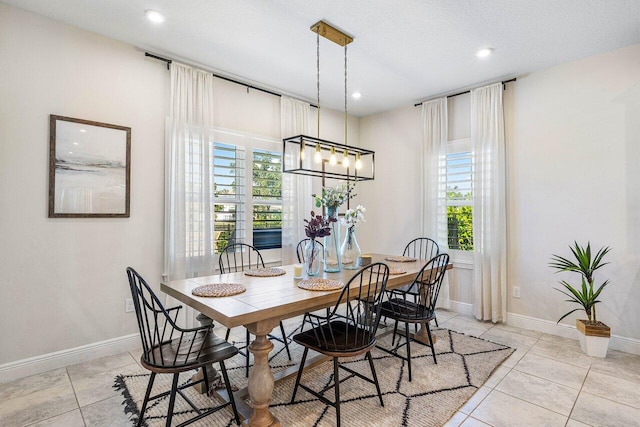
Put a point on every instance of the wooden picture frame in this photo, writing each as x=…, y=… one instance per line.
x=89, y=169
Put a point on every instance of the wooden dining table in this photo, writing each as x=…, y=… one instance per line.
x=267, y=301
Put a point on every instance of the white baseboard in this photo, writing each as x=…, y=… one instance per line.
x=461, y=307
x=59, y=359
x=617, y=342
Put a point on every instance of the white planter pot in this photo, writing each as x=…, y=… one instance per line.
x=594, y=339
x=594, y=346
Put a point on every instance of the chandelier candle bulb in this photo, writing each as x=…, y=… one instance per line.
x=345, y=159
x=358, y=162
x=318, y=156
x=332, y=157
x=303, y=148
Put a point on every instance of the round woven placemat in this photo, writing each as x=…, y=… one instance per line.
x=218, y=290
x=396, y=270
x=320, y=284
x=265, y=272
x=400, y=259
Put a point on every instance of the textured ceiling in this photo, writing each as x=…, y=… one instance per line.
x=404, y=51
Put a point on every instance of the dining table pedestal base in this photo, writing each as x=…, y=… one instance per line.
x=213, y=375
x=261, y=381
x=422, y=336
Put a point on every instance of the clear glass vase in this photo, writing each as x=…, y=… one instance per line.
x=332, y=244
x=312, y=258
x=350, y=250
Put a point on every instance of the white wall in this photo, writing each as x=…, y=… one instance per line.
x=393, y=199
x=63, y=281
x=574, y=162
x=573, y=146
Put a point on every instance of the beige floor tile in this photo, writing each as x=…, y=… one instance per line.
x=501, y=410
x=620, y=365
x=97, y=366
x=457, y=419
x=526, y=332
x=515, y=357
x=68, y=419
x=512, y=339
x=38, y=405
x=466, y=326
x=106, y=413
x=612, y=388
x=497, y=376
x=33, y=383
x=99, y=387
x=574, y=423
x=475, y=400
x=541, y=392
x=568, y=352
x=598, y=412
x=552, y=370
x=444, y=315
x=472, y=422
x=562, y=341
x=545, y=348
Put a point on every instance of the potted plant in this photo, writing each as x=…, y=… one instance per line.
x=594, y=335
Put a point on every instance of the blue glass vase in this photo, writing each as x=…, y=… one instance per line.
x=350, y=251
x=312, y=258
x=332, y=262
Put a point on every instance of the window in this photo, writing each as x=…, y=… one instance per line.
x=267, y=199
x=459, y=195
x=248, y=211
x=229, y=194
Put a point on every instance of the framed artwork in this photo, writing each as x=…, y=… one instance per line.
x=89, y=169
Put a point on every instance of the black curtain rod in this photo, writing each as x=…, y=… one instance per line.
x=169, y=61
x=466, y=91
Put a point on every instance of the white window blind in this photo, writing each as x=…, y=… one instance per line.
x=229, y=194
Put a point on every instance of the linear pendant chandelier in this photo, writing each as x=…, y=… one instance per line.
x=313, y=156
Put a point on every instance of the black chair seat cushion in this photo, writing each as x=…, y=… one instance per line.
x=176, y=355
x=405, y=311
x=336, y=338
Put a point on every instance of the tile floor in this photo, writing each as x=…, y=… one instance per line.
x=548, y=381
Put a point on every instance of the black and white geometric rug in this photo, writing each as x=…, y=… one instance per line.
x=434, y=395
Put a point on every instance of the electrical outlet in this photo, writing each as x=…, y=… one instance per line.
x=516, y=292
x=128, y=305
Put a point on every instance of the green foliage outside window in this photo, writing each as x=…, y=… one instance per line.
x=267, y=185
x=460, y=223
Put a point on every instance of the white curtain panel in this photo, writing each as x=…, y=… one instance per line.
x=296, y=189
x=189, y=218
x=434, y=191
x=489, y=206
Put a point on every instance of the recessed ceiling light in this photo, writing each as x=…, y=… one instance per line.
x=82, y=130
x=154, y=16
x=356, y=95
x=483, y=53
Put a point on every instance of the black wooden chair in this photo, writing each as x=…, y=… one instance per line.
x=239, y=257
x=421, y=248
x=169, y=349
x=427, y=285
x=350, y=334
